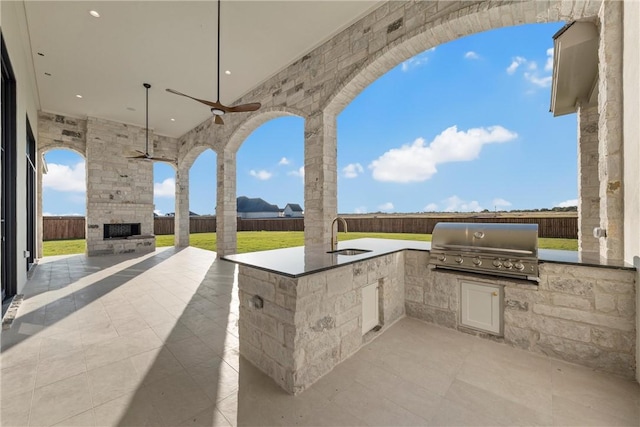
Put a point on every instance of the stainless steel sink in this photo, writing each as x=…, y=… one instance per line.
x=349, y=252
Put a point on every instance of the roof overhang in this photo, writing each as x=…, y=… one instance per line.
x=575, y=68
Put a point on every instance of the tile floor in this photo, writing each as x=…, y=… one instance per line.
x=152, y=340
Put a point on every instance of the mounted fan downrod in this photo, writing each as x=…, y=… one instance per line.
x=145, y=155
x=217, y=109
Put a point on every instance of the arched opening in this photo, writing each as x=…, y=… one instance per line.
x=271, y=165
x=270, y=182
x=202, y=200
x=164, y=200
x=63, y=201
x=462, y=127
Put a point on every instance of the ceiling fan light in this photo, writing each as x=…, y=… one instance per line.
x=217, y=112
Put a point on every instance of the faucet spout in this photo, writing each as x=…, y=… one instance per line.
x=334, y=235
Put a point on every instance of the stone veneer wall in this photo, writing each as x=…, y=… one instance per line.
x=119, y=189
x=580, y=314
x=310, y=324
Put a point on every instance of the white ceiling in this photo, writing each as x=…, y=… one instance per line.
x=169, y=44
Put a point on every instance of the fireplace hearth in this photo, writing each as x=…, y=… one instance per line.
x=121, y=231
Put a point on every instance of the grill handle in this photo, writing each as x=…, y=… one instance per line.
x=484, y=249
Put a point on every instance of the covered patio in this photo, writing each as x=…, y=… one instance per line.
x=113, y=341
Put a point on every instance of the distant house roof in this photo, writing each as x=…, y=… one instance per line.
x=294, y=207
x=257, y=204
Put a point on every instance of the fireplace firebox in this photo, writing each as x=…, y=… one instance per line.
x=121, y=231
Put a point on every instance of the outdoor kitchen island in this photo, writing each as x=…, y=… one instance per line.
x=304, y=311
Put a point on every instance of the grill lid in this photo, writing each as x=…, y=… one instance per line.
x=501, y=239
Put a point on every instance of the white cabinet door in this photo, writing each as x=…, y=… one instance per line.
x=481, y=306
x=370, y=315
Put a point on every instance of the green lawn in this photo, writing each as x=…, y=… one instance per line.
x=251, y=241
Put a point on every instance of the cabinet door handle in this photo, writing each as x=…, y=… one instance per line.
x=495, y=294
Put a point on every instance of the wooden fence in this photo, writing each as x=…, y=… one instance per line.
x=56, y=228
x=62, y=227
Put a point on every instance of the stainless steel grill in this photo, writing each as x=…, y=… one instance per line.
x=509, y=250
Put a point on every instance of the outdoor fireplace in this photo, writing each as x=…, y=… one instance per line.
x=121, y=231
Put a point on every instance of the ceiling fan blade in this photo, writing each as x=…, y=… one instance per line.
x=204, y=101
x=244, y=108
x=134, y=153
x=218, y=120
x=142, y=156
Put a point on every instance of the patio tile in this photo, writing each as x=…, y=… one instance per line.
x=112, y=381
x=18, y=379
x=86, y=418
x=60, y=366
x=177, y=396
x=209, y=417
x=132, y=409
x=15, y=409
x=374, y=408
x=155, y=364
x=60, y=400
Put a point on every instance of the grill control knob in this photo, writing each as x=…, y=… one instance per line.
x=477, y=261
x=518, y=266
x=442, y=258
x=497, y=263
x=459, y=259
x=507, y=264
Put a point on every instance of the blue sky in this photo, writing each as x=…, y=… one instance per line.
x=462, y=127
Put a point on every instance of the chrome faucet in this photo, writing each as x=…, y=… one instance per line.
x=334, y=236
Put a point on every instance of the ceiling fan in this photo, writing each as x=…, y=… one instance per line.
x=145, y=155
x=218, y=109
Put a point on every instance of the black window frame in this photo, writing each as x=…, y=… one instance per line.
x=9, y=176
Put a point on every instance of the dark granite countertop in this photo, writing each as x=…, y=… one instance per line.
x=301, y=260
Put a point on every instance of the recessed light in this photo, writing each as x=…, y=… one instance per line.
x=40, y=54
x=94, y=13
x=78, y=96
x=227, y=72
x=173, y=120
x=47, y=74
x=131, y=109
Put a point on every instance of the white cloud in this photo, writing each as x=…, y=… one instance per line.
x=262, y=175
x=166, y=188
x=65, y=178
x=417, y=162
x=471, y=55
x=431, y=207
x=299, y=172
x=283, y=161
x=386, y=206
x=352, y=170
x=360, y=210
x=533, y=74
x=515, y=63
x=498, y=202
x=456, y=204
x=538, y=81
x=548, y=66
x=64, y=214
x=568, y=203
x=418, y=60
x=157, y=212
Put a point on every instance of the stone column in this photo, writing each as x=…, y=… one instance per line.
x=226, y=208
x=181, y=222
x=588, y=182
x=320, y=179
x=610, y=130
